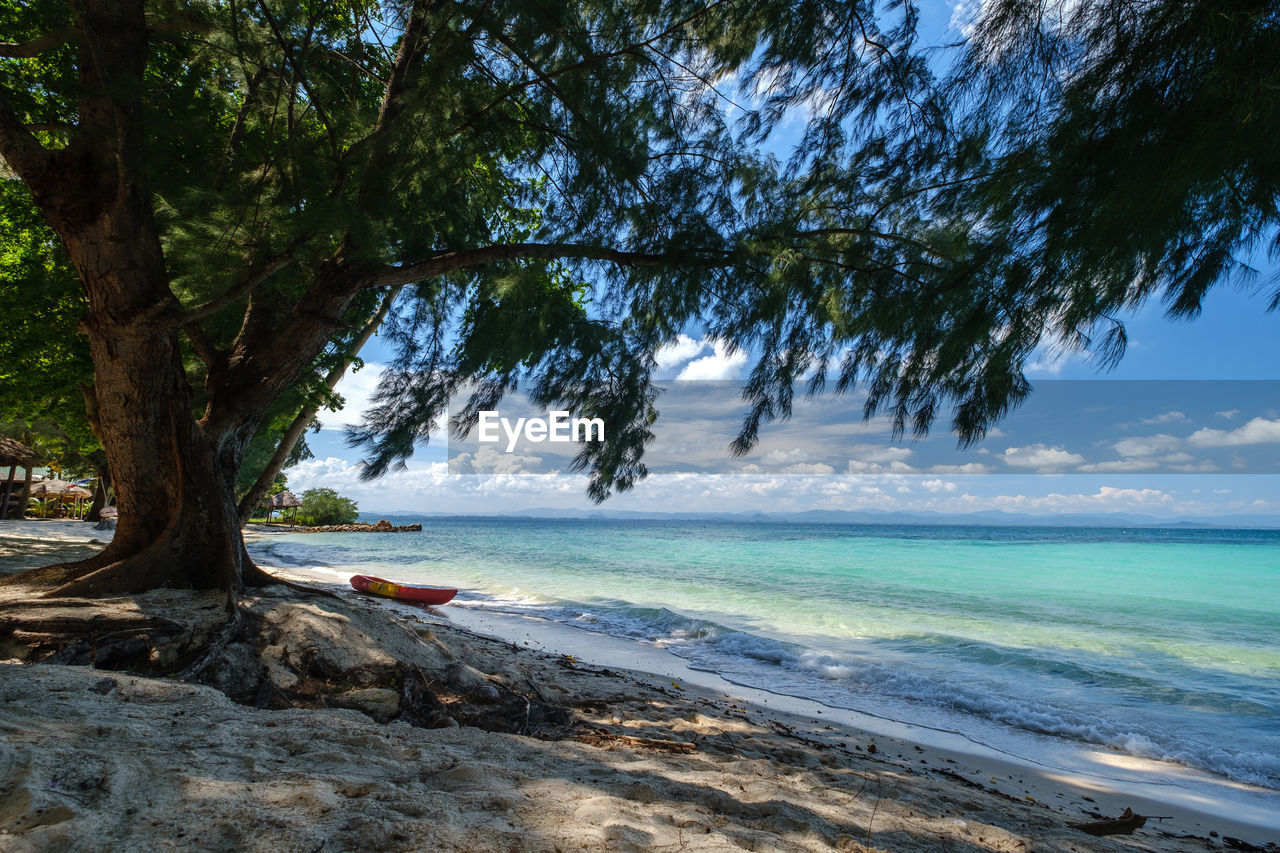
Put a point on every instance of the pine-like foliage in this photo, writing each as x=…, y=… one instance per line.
x=1131, y=151
x=564, y=188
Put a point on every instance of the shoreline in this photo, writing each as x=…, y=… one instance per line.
x=775, y=748
x=1173, y=792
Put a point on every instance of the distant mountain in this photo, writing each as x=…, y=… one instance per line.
x=994, y=518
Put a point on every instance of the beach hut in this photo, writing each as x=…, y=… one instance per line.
x=15, y=455
x=284, y=500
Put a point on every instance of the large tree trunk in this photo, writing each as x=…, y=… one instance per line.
x=176, y=524
x=173, y=477
x=173, y=474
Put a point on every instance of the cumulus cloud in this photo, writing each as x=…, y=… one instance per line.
x=966, y=468
x=431, y=487
x=490, y=460
x=859, y=466
x=1230, y=414
x=880, y=453
x=1116, y=466
x=811, y=469
x=356, y=389
x=721, y=364
x=678, y=352
x=784, y=457
x=1256, y=431
x=1041, y=457
x=1205, y=467
x=1148, y=445
x=1106, y=498
x=1051, y=361
x=1167, y=418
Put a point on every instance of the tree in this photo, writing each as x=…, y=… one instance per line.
x=325, y=506
x=559, y=189
x=1130, y=150
x=44, y=363
x=289, y=447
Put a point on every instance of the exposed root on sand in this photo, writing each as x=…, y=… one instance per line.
x=284, y=646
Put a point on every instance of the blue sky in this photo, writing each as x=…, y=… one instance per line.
x=1234, y=338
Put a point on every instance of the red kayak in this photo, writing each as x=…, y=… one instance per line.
x=403, y=592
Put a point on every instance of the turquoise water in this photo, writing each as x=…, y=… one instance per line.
x=1161, y=643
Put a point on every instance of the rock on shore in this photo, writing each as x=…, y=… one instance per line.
x=382, y=526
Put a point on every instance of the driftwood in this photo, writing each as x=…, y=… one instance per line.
x=1123, y=825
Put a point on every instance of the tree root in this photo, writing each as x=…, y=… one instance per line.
x=151, y=635
x=135, y=643
x=274, y=651
x=233, y=627
x=58, y=574
x=154, y=568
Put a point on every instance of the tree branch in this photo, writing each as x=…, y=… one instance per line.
x=238, y=291
x=202, y=345
x=19, y=147
x=466, y=258
x=32, y=48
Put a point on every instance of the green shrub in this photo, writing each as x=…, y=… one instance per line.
x=325, y=506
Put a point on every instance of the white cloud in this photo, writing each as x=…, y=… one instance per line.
x=431, y=487
x=858, y=466
x=356, y=389
x=815, y=469
x=1168, y=418
x=1052, y=361
x=721, y=364
x=1205, y=467
x=880, y=453
x=966, y=468
x=1041, y=457
x=783, y=457
x=679, y=351
x=1256, y=431
x=964, y=15
x=1230, y=414
x=1148, y=445
x=1117, y=466
x=491, y=460
x=1106, y=498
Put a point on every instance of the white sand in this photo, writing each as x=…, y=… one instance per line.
x=91, y=760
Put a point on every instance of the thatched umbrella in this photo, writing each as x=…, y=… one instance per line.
x=15, y=455
x=285, y=499
x=78, y=494
x=50, y=488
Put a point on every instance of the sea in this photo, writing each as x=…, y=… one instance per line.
x=1154, y=643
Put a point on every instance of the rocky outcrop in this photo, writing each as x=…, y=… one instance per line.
x=383, y=526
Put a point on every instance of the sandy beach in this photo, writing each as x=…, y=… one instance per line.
x=362, y=725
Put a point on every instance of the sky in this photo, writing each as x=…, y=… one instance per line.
x=1122, y=463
